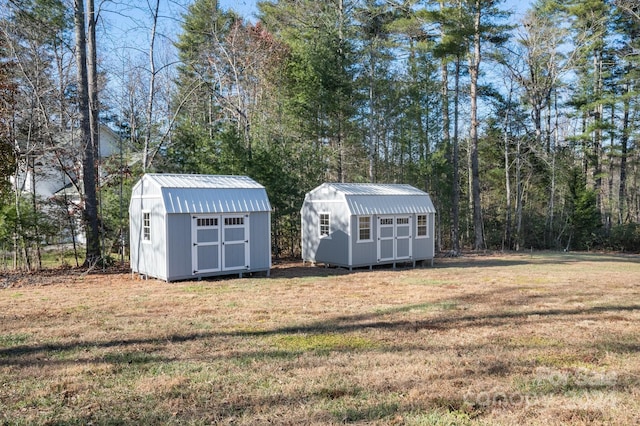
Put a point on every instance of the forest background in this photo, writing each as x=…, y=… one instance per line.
x=522, y=127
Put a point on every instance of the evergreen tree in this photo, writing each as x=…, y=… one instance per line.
x=591, y=29
x=484, y=14
x=626, y=93
x=584, y=215
x=455, y=30
x=319, y=75
x=201, y=88
x=7, y=101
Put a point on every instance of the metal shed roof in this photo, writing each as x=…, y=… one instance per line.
x=374, y=188
x=373, y=198
x=183, y=193
x=202, y=181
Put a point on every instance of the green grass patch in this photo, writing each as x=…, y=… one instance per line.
x=9, y=340
x=562, y=360
x=70, y=354
x=445, y=305
x=321, y=342
x=265, y=356
x=76, y=309
x=438, y=418
x=55, y=258
x=129, y=358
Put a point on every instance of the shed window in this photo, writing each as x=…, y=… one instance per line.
x=232, y=221
x=364, y=228
x=146, y=226
x=207, y=222
x=422, y=226
x=325, y=225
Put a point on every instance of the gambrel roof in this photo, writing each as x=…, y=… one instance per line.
x=375, y=198
x=186, y=193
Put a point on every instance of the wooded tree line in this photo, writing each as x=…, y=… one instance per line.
x=523, y=129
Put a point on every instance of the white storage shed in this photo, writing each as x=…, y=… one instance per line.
x=191, y=226
x=356, y=225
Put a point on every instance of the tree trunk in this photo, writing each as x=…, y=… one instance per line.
x=597, y=142
x=446, y=124
x=455, y=203
x=519, y=195
x=34, y=206
x=624, y=147
x=474, y=68
x=372, y=121
x=611, y=158
x=552, y=191
x=152, y=90
x=507, y=177
x=90, y=212
x=341, y=116
x=94, y=105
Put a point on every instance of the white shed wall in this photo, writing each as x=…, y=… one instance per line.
x=168, y=254
x=346, y=203
x=148, y=257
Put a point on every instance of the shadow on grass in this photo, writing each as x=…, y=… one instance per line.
x=295, y=269
x=532, y=258
x=209, y=409
x=343, y=324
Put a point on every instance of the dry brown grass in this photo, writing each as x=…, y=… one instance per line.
x=517, y=339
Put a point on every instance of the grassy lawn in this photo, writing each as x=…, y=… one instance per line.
x=516, y=339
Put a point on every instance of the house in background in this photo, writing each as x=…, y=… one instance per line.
x=47, y=172
x=51, y=173
x=356, y=225
x=192, y=226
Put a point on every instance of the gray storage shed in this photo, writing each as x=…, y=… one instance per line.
x=191, y=226
x=355, y=225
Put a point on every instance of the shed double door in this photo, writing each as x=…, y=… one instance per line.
x=394, y=238
x=220, y=243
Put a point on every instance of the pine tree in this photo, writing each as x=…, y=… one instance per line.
x=483, y=14
x=319, y=75
x=7, y=101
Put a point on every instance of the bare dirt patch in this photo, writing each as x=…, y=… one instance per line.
x=515, y=339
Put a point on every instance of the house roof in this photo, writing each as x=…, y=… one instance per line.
x=187, y=193
x=374, y=198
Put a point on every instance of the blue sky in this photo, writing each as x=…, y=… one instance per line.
x=247, y=8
